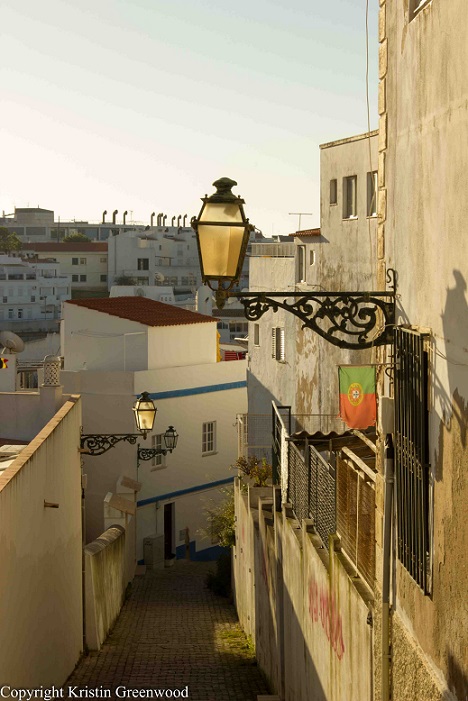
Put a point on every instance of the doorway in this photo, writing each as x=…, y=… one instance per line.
x=169, y=548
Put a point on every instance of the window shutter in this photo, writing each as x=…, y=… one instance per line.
x=273, y=343
x=280, y=354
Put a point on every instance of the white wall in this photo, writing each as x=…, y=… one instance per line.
x=40, y=551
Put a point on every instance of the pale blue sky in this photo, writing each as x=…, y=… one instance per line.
x=140, y=105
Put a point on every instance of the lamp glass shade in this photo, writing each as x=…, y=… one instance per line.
x=170, y=438
x=145, y=413
x=221, y=233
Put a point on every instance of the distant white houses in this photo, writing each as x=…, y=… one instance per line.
x=116, y=348
x=30, y=291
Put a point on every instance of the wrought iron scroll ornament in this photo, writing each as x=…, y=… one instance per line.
x=97, y=444
x=150, y=453
x=354, y=320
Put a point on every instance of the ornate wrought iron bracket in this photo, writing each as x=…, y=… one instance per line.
x=354, y=320
x=98, y=443
x=150, y=453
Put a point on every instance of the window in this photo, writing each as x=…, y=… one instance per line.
x=350, y=197
x=103, y=278
x=33, y=298
x=209, y=438
x=75, y=261
x=82, y=278
x=372, y=194
x=158, y=460
x=103, y=260
x=412, y=469
x=142, y=263
x=277, y=344
x=312, y=258
x=301, y=264
x=82, y=261
x=20, y=313
x=75, y=278
x=256, y=334
x=5, y=299
x=333, y=191
x=10, y=313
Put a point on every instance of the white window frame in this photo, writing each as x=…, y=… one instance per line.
x=209, y=438
x=159, y=461
x=301, y=263
x=256, y=334
x=350, y=197
x=277, y=344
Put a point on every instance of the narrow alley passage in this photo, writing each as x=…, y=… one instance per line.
x=175, y=635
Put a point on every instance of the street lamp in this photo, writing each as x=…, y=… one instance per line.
x=170, y=440
x=98, y=443
x=354, y=320
x=222, y=237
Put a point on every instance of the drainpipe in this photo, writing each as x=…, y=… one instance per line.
x=152, y=217
x=124, y=216
x=172, y=221
x=164, y=219
x=178, y=220
x=388, y=506
x=160, y=216
x=114, y=214
x=104, y=216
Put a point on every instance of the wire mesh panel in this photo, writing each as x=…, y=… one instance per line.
x=322, y=495
x=298, y=482
x=366, y=531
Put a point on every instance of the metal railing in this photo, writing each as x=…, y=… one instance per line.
x=273, y=250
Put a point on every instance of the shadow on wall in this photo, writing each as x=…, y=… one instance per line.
x=457, y=678
x=455, y=325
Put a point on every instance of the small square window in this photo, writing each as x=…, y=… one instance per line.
x=75, y=261
x=82, y=261
x=350, y=197
x=333, y=191
x=143, y=264
x=82, y=278
x=103, y=260
x=75, y=278
x=209, y=438
x=103, y=278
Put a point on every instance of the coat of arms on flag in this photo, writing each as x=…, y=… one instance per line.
x=357, y=395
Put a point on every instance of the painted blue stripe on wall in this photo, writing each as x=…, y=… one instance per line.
x=181, y=492
x=197, y=390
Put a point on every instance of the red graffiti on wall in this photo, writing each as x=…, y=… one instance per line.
x=322, y=606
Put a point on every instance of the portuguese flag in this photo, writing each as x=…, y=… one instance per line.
x=357, y=395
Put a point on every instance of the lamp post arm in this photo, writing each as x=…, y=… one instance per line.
x=99, y=443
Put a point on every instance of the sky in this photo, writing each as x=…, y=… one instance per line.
x=140, y=105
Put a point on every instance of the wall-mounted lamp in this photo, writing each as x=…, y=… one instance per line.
x=170, y=441
x=354, y=320
x=98, y=443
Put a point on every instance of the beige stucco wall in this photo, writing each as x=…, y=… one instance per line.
x=40, y=552
x=105, y=584
x=424, y=179
x=309, y=620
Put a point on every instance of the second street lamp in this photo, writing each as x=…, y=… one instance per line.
x=99, y=443
x=170, y=440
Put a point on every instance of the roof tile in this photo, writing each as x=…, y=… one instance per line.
x=142, y=310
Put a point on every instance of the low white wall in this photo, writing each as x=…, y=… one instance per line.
x=40, y=556
x=105, y=583
x=307, y=617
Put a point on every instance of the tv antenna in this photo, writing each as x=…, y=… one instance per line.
x=300, y=214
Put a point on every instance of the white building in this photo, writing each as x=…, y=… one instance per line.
x=115, y=349
x=158, y=255
x=31, y=291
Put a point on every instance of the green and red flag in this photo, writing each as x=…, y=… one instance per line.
x=357, y=395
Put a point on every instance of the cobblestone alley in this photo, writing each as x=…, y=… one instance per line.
x=175, y=635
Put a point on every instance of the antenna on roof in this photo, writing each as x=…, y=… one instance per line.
x=300, y=215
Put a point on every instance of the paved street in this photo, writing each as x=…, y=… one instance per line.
x=173, y=633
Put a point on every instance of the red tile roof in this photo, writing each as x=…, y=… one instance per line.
x=72, y=247
x=142, y=310
x=307, y=232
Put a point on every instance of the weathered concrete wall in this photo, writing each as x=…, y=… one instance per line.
x=423, y=175
x=40, y=555
x=105, y=584
x=308, y=618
